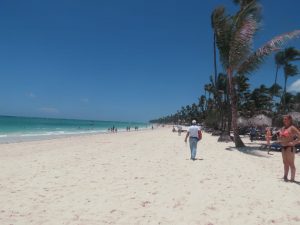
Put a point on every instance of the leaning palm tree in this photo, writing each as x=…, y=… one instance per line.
x=235, y=36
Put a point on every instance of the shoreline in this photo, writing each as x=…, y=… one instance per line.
x=13, y=138
x=20, y=129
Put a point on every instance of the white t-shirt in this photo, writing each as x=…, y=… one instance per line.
x=193, y=131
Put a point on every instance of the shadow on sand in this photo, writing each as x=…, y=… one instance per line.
x=296, y=182
x=249, y=150
x=195, y=159
x=290, y=182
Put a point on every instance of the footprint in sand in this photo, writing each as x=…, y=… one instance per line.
x=145, y=203
x=177, y=204
x=211, y=208
x=112, y=211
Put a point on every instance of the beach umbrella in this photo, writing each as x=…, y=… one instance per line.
x=296, y=117
x=260, y=121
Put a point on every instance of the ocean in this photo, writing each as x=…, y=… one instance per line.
x=18, y=129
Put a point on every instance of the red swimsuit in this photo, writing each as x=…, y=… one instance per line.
x=285, y=133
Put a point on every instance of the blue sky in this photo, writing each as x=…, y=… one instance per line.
x=128, y=60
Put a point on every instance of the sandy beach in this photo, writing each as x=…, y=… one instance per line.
x=143, y=177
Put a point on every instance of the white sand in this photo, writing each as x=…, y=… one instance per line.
x=142, y=178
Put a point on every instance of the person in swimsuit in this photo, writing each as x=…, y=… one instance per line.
x=268, y=138
x=289, y=136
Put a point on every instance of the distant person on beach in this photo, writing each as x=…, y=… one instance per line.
x=179, y=130
x=252, y=133
x=193, y=134
x=268, y=138
x=288, y=136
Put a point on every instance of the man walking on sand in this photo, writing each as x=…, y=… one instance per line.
x=193, y=134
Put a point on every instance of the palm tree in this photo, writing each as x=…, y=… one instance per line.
x=283, y=59
x=242, y=87
x=222, y=106
x=234, y=36
x=213, y=17
x=261, y=98
x=183, y=113
x=201, y=104
x=194, y=111
x=279, y=61
x=289, y=71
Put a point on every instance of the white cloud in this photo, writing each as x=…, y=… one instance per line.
x=31, y=95
x=84, y=100
x=295, y=87
x=49, y=110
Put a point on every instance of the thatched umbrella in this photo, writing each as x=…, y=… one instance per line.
x=260, y=121
x=295, y=116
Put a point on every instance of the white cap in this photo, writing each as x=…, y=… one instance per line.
x=194, y=121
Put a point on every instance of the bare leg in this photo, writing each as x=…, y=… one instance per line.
x=291, y=160
x=285, y=164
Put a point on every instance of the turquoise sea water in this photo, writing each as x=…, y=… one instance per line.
x=20, y=128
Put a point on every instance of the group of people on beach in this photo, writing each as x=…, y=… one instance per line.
x=288, y=136
x=113, y=129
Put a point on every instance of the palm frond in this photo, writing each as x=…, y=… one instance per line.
x=254, y=60
x=216, y=15
x=222, y=24
x=242, y=42
x=246, y=24
x=291, y=53
x=280, y=58
x=290, y=70
x=243, y=3
x=250, y=7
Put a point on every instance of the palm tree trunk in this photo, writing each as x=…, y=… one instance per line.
x=205, y=99
x=237, y=140
x=275, y=82
x=276, y=75
x=228, y=109
x=283, y=94
x=274, y=86
x=221, y=114
x=215, y=59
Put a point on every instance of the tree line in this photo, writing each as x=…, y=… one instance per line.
x=228, y=93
